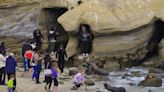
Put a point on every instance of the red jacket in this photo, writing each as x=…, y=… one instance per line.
x=28, y=54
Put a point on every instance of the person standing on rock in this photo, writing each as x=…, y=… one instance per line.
x=85, y=38
x=11, y=64
x=52, y=39
x=38, y=37
x=2, y=69
x=60, y=55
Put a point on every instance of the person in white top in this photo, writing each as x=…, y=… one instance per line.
x=2, y=69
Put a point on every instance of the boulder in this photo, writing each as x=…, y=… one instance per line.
x=112, y=66
x=89, y=82
x=73, y=72
x=74, y=88
x=112, y=15
x=114, y=89
x=151, y=81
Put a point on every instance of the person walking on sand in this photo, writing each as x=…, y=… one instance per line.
x=47, y=62
x=60, y=55
x=10, y=84
x=26, y=46
x=11, y=64
x=34, y=61
x=78, y=79
x=38, y=67
x=29, y=56
x=2, y=69
x=48, y=77
x=54, y=76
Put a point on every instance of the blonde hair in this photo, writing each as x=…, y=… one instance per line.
x=54, y=64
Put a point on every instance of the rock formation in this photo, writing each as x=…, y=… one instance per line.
x=122, y=29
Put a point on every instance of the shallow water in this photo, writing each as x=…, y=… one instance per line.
x=129, y=77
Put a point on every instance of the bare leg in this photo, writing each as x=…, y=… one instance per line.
x=30, y=72
x=78, y=89
x=54, y=89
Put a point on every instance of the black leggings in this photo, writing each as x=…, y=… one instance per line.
x=61, y=65
x=2, y=75
x=8, y=76
x=49, y=80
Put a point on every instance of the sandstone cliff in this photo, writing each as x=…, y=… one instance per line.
x=122, y=28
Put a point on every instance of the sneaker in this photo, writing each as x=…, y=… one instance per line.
x=38, y=82
x=87, y=54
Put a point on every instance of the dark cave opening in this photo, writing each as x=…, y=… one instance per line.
x=50, y=21
x=153, y=44
x=158, y=34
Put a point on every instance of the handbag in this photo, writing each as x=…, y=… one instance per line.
x=47, y=72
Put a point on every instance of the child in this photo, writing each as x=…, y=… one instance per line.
x=54, y=76
x=10, y=83
x=78, y=79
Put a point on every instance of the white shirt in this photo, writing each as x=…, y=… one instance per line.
x=2, y=61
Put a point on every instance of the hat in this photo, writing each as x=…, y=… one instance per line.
x=11, y=54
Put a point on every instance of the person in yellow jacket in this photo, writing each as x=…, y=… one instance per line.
x=10, y=83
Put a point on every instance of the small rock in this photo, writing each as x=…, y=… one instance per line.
x=74, y=88
x=73, y=72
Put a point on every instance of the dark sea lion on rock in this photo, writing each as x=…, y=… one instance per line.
x=114, y=89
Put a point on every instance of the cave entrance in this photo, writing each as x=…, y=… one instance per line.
x=50, y=21
x=153, y=44
x=158, y=34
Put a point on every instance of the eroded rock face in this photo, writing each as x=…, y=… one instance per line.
x=18, y=19
x=122, y=28
x=113, y=15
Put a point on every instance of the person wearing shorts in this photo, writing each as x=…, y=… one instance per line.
x=54, y=76
x=78, y=80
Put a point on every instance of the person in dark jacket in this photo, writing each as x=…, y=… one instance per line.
x=85, y=38
x=3, y=48
x=25, y=48
x=11, y=64
x=52, y=39
x=37, y=35
x=60, y=55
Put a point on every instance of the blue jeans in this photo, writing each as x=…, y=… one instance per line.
x=25, y=64
x=10, y=90
x=38, y=70
x=34, y=75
